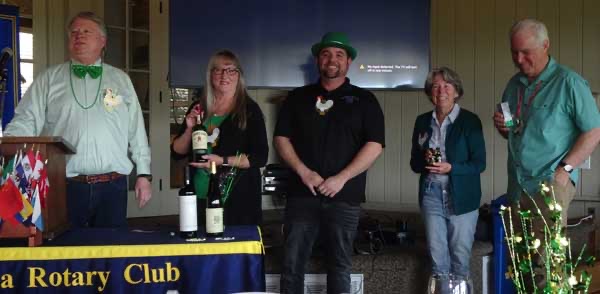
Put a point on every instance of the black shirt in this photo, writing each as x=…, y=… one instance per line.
x=328, y=143
x=244, y=204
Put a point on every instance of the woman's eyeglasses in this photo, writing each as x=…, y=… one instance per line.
x=227, y=71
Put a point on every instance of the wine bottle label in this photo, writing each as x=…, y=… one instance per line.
x=214, y=220
x=199, y=140
x=188, y=221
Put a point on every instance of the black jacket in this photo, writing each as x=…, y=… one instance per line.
x=244, y=204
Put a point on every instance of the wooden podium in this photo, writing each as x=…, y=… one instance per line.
x=54, y=214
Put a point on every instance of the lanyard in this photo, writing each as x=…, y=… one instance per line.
x=531, y=97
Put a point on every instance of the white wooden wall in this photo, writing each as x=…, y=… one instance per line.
x=471, y=36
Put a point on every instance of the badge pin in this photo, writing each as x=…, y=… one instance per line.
x=323, y=105
x=214, y=136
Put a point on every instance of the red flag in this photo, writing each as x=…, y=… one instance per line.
x=28, y=163
x=10, y=201
x=44, y=186
x=31, y=156
x=39, y=178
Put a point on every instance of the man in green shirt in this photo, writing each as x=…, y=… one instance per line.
x=94, y=107
x=556, y=123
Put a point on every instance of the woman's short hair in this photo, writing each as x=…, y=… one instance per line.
x=447, y=75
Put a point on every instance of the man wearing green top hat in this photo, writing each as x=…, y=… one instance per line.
x=94, y=107
x=329, y=133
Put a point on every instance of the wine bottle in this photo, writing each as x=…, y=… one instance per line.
x=188, y=222
x=437, y=156
x=214, y=207
x=199, y=141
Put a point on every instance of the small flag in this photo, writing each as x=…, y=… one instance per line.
x=21, y=178
x=10, y=201
x=27, y=208
x=37, y=218
x=43, y=183
x=27, y=163
x=1, y=170
x=8, y=168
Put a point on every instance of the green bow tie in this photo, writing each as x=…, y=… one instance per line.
x=81, y=70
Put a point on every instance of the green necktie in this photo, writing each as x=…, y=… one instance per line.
x=81, y=70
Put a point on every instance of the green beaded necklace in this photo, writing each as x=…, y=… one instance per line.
x=73, y=90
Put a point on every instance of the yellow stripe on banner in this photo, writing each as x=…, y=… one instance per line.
x=119, y=251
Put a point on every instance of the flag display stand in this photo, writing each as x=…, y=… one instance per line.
x=35, y=237
x=54, y=214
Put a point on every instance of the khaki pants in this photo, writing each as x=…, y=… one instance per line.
x=564, y=195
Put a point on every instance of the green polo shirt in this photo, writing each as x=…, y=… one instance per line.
x=562, y=109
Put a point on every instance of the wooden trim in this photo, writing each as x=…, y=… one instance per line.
x=63, y=145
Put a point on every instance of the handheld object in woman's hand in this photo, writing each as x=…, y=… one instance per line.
x=433, y=155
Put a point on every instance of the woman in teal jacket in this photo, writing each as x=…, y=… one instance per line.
x=448, y=151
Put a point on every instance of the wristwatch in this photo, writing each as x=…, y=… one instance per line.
x=225, y=160
x=567, y=167
x=149, y=177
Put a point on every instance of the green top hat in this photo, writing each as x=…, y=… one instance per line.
x=334, y=39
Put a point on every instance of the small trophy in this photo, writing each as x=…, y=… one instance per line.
x=434, y=156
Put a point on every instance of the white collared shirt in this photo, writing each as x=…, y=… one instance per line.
x=438, y=138
x=101, y=135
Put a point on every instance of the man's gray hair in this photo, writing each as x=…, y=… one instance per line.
x=537, y=27
x=89, y=16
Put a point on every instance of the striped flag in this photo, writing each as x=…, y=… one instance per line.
x=27, y=210
x=37, y=218
x=20, y=176
x=8, y=168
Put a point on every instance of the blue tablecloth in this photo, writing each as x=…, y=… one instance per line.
x=136, y=261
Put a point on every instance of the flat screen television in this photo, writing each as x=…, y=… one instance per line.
x=273, y=40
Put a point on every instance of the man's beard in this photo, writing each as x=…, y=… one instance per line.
x=331, y=74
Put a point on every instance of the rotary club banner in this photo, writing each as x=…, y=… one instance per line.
x=170, y=265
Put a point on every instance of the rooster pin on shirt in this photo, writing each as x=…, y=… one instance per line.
x=323, y=105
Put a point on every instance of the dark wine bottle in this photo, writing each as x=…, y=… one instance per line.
x=214, y=207
x=188, y=221
x=199, y=141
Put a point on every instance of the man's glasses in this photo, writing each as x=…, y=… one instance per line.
x=227, y=71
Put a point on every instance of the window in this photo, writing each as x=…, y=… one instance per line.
x=25, y=41
x=180, y=101
x=128, y=34
x=26, y=59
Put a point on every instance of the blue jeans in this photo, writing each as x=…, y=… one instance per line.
x=97, y=205
x=305, y=217
x=449, y=236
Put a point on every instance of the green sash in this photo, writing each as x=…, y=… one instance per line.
x=201, y=177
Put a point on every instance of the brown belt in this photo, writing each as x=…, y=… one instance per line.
x=94, y=179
